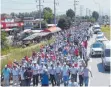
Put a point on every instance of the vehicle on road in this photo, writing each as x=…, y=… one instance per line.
x=100, y=33
x=96, y=29
x=96, y=49
x=101, y=38
x=106, y=59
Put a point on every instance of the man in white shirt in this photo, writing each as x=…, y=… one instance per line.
x=58, y=74
x=52, y=73
x=41, y=69
x=80, y=72
x=73, y=71
x=21, y=73
x=35, y=69
x=65, y=73
x=15, y=73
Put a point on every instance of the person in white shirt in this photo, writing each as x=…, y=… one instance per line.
x=41, y=69
x=15, y=73
x=73, y=71
x=80, y=72
x=52, y=73
x=35, y=69
x=21, y=73
x=65, y=73
x=58, y=74
x=86, y=71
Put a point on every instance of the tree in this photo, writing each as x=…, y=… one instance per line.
x=70, y=13
x=95, y=15
x=48, y=15
x=64, y=23
x=4, y=44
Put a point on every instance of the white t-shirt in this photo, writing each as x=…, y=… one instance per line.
x=21, y=73
x=65, y=71
x=80, y=71
x=41, y=69
x=58, y=69
x=15, y=71
x=35, y=69
x=73, y=70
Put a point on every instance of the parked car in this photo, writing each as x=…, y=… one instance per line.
x=96, y=28
x=97, y=49
x=101, y=38
x=106, y=59
x=100, y=33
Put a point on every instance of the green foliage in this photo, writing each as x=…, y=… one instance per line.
x=70, y=13
x=106, y=31
x=95, y=15
x=19, y=53
x=4, y=44
x=48, y=15
x=64, y=23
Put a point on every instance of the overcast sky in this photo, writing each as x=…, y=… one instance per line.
x=8, y=6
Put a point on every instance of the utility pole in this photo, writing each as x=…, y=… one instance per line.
x=86, y=11
x=54, y=12
x=39, y=12
x=75, y=3
x=55, y=3
x=81, y=10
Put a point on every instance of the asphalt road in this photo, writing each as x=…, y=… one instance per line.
x=100, y=77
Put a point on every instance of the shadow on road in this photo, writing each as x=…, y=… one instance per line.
x=101, y=69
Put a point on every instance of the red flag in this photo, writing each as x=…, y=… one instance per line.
x=26, y=58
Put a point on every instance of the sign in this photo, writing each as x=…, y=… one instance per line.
x=11, y=24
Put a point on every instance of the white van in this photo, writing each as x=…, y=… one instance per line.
x=106, y=59
x=96, y=28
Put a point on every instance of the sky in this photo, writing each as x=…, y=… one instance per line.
x=102, y=6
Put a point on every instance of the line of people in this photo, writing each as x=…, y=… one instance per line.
x=60, y=62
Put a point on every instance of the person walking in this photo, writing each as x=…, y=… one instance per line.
x=15, y=73
x=21, y=73
x=28, y=76
x=45, y=78
x=86, y=71
x=35, y=74
x=52, y=75
x=58, y=74
x=80, y=72
x=65, y=73
x=6, y=75
x=73, y=71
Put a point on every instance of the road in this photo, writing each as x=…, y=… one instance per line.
x=100, y=77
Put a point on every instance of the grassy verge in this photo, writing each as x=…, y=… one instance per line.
x=106, y=31
x=19, y=53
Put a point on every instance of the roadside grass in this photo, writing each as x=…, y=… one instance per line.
x=106, y=31
x=19, y=53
